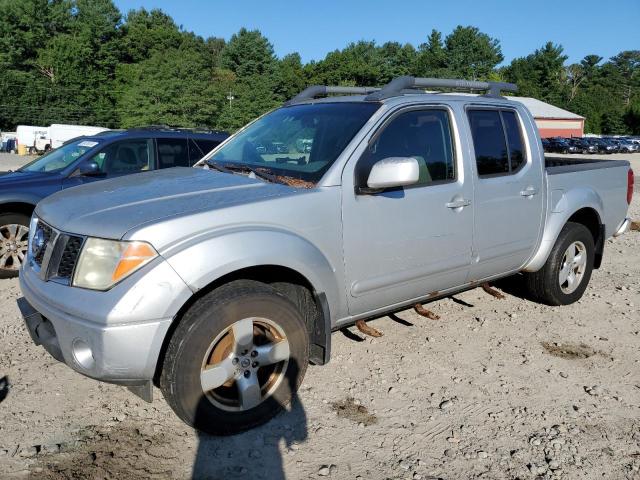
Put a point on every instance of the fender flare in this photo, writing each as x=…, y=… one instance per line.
x=205, y=260
x=562, y=205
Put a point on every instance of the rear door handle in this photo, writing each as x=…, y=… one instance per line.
x=459, y=203
x=529, y=192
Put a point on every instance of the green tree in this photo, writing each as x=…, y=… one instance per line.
x=471, y=54
x=431, y=59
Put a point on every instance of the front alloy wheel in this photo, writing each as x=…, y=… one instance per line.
x=14, y=237
x=245, y=364
x=236, y=358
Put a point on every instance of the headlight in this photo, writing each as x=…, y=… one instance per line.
x=103, y=263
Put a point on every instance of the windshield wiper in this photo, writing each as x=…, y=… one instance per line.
x=217, y=166
x=230, y=168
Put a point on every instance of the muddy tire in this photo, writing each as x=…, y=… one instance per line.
x=14, y=233
x=565, y=276
x=236, y=358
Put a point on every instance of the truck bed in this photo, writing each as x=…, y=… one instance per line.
x=555, y=165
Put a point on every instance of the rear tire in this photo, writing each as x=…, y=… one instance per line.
x=565, y=275
x=221, y=372
x=14, y=235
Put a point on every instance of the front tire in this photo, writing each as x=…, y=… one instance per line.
x=236, y=358
x=14, y=236
x=565, y=275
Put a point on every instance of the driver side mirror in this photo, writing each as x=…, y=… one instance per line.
x=90, y=169
x=392, y=172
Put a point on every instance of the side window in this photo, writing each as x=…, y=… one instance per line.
x=514, y=139
x=127, y=156
x=489, y=142
x=422, y=134
x=172, y=152
x=497, y=141
x=199, y=148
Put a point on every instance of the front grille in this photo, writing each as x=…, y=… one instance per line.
x=63, y=252
x=47, y=231
x=69, y=256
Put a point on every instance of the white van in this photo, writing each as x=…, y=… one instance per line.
x=60, y=133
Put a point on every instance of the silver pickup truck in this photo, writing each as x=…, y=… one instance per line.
x=220, y=284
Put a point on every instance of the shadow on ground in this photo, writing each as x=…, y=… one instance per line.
x=4, y=388
x=257, y=453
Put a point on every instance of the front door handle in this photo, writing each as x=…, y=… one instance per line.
x=529, y=191
x=458, y=203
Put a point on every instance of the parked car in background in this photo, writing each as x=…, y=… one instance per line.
x=602, y=145
x=625, y=146
x=223, y=282
x=8, y=145
x=85, y=160
x=560, y=145
x=582, y=145
x=545, y=144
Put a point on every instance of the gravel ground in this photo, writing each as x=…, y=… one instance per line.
x=494, y=389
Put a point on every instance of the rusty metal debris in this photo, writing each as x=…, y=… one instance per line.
x=492, y=291
x=367, y=330
x=420, y=310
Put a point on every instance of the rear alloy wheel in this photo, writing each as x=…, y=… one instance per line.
x=236, y=358
x=14, y=237
x=565, y=275
x=573, y=267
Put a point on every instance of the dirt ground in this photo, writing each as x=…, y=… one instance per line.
x=494, y=389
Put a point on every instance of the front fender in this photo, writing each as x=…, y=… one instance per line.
x=562, y=205
x=201, y=263
x=19, y=197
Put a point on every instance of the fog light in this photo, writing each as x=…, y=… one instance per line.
x=83, y=354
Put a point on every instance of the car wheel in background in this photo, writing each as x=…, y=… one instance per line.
x=14, y=235
x=565, y=275
x=236, y=358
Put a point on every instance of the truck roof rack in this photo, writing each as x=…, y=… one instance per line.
x=316, y=91
x=169, y=128
x=401, y=85
x=396, y=86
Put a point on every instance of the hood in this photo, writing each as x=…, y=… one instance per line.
x=110, y=208
x=19, y=177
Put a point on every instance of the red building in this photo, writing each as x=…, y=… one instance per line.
x=553, y=121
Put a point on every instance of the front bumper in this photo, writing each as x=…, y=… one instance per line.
x=114, y=336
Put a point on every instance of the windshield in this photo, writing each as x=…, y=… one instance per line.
x=298, y=142
x=60, y=158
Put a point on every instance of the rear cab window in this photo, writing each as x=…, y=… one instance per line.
x=497, y=141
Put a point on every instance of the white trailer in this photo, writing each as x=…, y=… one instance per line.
x=60, y=133
x=26, y=136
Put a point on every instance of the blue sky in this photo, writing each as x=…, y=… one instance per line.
x=582, y=27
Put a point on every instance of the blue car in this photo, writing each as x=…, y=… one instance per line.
x=88, y=159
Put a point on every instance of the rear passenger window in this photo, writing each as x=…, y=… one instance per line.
x=199, y=148
x=514, y=139
x=488, y=142
x=172, y=152
x=422, y=134
x=497, y=141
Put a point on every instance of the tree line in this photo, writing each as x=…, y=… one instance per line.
x=83, y=61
